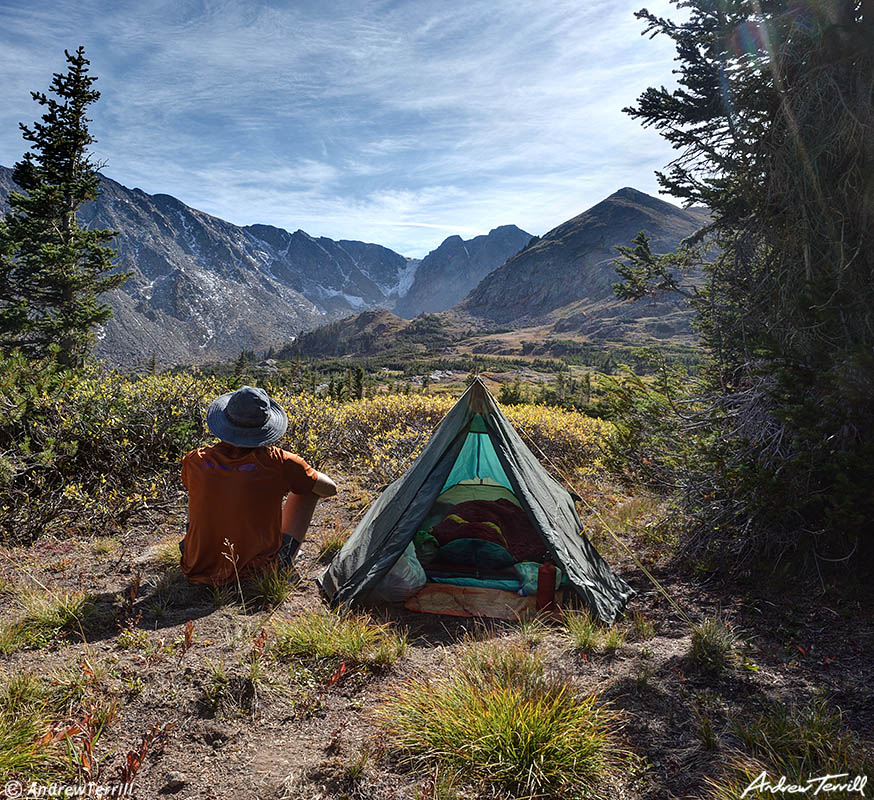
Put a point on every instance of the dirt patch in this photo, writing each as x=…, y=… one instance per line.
x=299, y=736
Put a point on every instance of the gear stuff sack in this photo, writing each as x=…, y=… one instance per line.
x=403, y=580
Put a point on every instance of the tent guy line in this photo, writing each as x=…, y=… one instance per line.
x=623, y=545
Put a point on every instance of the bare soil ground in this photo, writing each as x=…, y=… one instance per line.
x=318, y=738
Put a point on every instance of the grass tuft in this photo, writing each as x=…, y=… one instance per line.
x=499, y=720
x=504, y=662
x=22, y=693
x=586, y=635
x=799, y=743
x=441, y=785
x=43, y=616
x=643, y=628
x=166, y=554
x=354, y=638
x=39, y=716
x=20, y=751
x=222, y=595
x=705, y=730
x=330, y=541
x=170, y=589
x=642, y=677
x=533, y=630
x=216, y=685
x=132, y=639
x=358, y=764
x=272, y=585
x=582, y=630
x=104, y=545
x=612, y=640
x=714, y=646
x=239, y=689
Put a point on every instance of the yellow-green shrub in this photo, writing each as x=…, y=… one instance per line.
x=85, y=451
x=570, y=441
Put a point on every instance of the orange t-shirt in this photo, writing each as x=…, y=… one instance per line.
x=236, y=493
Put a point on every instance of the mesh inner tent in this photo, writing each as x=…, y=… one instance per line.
x=477, y=459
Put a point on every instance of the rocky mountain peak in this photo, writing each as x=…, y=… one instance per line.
x=456, y=266
x=573, y=263
x=204, y=289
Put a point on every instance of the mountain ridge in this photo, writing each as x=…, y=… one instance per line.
x=554, y=296
x=573, y=262
x=450, y=271
x=203, y=288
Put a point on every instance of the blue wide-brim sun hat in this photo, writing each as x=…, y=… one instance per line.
x=247, y=417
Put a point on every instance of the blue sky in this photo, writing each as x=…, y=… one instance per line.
x=392, y=122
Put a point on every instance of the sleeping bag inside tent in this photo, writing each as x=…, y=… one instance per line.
x=467, y=529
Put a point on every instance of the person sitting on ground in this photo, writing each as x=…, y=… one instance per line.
x=236, y=519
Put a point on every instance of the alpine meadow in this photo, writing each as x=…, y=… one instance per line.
x=414, y=502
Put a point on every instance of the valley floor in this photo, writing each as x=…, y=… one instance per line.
x=308, y=730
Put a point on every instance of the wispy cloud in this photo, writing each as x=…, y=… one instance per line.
x=371, y=119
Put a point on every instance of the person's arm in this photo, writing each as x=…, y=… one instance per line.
x=298, y=509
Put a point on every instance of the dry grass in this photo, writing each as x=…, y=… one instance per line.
x=354, y=638
x=495, y=720
x=44, y=616
x=800, y=743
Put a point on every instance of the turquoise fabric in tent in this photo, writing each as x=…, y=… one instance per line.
x=477, y=458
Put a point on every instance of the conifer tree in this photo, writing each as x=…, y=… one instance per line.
x=239, y=373
x=357, y=384
x=773, y=121
x=52, y=269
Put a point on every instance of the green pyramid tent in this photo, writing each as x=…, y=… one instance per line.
x=474, y=441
